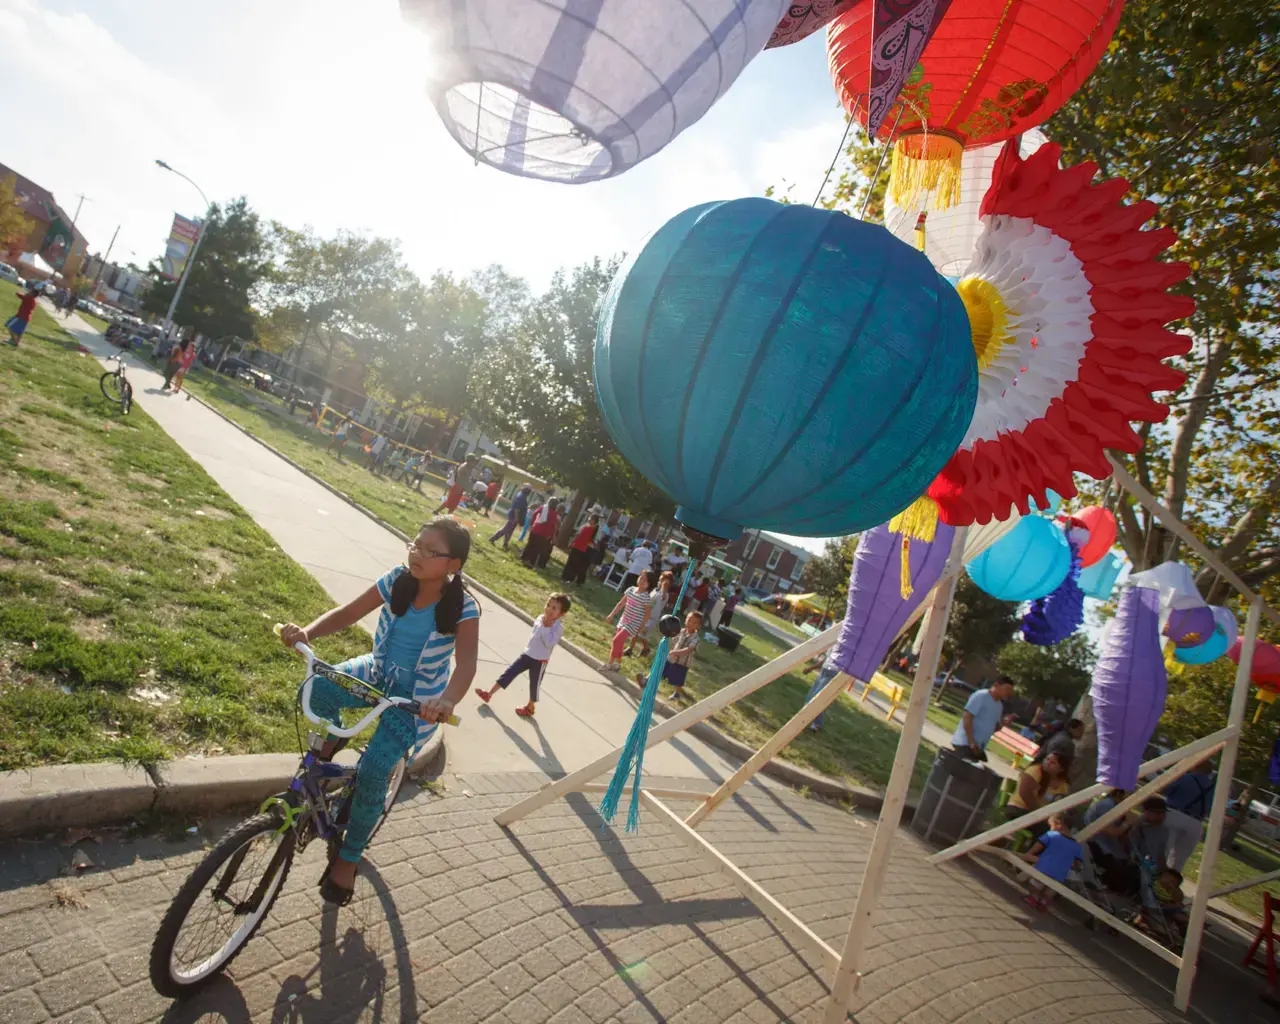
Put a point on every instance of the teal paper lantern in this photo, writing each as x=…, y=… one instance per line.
x=783, y=367
x=1098, y=580
x=1027, y=563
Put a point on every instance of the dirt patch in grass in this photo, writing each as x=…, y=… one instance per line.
x=110, y=586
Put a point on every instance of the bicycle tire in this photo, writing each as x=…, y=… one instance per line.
x=126, y=397
x=109, y=382
x=163, y=977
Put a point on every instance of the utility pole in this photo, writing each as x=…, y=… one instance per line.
x=79, y=206
x=102, y=260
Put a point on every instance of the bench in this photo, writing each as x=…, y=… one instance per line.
x=888, y=689
x=1024, y=748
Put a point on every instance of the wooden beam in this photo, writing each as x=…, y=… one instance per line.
x=782, y=919
x=663, y=731
x=1156, y=785
x=845, y=980
x=1156, y=764
x=1180, y=530
x=669, y=793
x=1213, y=838
x=793, y=728
x=1248, y=883
x=1145, y=941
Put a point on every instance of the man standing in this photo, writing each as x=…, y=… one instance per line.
x=1061, y=741
x=640, y=561
x=982, y=717
x=1187, y=801
x=516, y=515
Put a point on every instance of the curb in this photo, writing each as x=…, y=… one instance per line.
x=85, y=795
x=868, y=799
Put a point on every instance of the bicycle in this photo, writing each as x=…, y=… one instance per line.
x=115, y=385
x=232, y=882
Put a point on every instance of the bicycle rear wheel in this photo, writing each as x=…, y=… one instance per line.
x=126, y=397
x=220, y=906
x=110, y=384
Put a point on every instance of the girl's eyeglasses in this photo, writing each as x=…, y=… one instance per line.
x=428, y=554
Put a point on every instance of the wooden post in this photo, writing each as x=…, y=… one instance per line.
x=1156, y=764
x=782, y=919
x=663, y=731
x=821, y=700
x=1156, y=785
x=1226, y=768
x=904, y=761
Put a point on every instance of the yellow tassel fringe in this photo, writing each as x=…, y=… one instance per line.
x=926, y=165
x=919, y=521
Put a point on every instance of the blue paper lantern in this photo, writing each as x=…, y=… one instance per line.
x=1098, y=580
x=1223, y=636
x=783, y=367
x=1028, y=562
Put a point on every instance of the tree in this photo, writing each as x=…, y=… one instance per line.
x=233, y=260
x=979, y=626
x=536, y=392
x=1061, y=672
x=827, y=574
x=13, y=222
x=1199, y=698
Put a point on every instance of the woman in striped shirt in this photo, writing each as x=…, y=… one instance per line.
x=636, y=608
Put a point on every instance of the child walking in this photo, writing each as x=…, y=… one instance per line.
x=547, y=630
x=683, y=646
x=636, y=607
x=18, y=323
x=427, y=619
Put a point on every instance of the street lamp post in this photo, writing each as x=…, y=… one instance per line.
x=191, y=259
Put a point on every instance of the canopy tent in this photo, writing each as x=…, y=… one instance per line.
x=804, y=603
x=33, y=261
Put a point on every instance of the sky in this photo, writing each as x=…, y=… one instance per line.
x=317, y=112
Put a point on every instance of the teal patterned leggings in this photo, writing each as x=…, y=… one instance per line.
x=392, y=739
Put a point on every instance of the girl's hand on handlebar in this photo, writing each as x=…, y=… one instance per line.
x=291, y=634
x=435, y=709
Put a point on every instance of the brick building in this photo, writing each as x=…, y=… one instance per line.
x=40, y=209
x=768, y=563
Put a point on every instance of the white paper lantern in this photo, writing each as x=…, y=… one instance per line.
x=579, y=90
x=951, y=235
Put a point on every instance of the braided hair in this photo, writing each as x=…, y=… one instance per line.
x=449, y=608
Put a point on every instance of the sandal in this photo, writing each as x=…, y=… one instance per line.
x=332, y=892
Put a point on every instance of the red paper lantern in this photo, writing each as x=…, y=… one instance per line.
x=1101, y=524
x=992, y=69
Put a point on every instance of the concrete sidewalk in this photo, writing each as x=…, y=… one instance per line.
x=581, y=715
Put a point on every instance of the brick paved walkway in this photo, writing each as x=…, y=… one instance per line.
x=458, y=921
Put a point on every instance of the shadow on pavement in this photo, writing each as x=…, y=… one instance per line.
x=546, y=761
x=220, y=1002
x=350, y=980
x=651, y=909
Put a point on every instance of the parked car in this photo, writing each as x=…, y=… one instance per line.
x=234, y=366
x=8, y=273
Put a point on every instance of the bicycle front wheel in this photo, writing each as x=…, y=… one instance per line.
x=110, y=384
x=220, y=906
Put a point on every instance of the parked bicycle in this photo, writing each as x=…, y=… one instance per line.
x=229, y=893
x=115, y=384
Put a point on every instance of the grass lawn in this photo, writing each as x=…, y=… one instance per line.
x=852, y=745
x=136, y=598
x=1248, y=859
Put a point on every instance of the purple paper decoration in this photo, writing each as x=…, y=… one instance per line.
x=1129, y=687
x=877, y=609
x=1052, y=619
x=1191, y=626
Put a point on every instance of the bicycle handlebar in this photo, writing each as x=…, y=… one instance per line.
x=375, y=712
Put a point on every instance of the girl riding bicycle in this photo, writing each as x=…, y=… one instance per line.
x=427, y=615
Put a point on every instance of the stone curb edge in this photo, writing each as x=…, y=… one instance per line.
x=54, y=797
x=792, y=775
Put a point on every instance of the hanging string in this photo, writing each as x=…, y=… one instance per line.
x=834, y=160
x=862, y=214
x=638, y=738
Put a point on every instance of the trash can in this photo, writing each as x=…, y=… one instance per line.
x=955, y=800
x=728, y=639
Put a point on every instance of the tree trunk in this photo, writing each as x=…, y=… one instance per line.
x=567, y=524
x=1084, y=766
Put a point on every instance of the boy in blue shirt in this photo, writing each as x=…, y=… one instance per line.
x=1054, y=854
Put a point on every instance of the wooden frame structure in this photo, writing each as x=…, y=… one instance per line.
x=935, y=609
